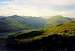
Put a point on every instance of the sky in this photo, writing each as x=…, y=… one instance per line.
x=37, y=7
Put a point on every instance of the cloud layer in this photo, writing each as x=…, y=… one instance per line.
x=37, y=7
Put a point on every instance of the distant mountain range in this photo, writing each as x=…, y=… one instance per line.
x=15, y=23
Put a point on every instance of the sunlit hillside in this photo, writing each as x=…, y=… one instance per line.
x=63, y=29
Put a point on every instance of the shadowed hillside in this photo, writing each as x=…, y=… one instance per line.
x=53, y=43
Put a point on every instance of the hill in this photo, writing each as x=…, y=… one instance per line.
x=58, y=19
x=17, y=23
x=60, y=34
x=63, y=29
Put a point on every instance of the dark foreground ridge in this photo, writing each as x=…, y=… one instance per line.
x=52, y=43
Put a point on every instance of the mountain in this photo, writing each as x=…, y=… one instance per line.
x=33, y=22
x=15, y=23
x=62, y=31
x=8, y=24
x=58, y=19
x=62, y=26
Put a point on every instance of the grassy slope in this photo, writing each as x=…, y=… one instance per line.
x=66, y=28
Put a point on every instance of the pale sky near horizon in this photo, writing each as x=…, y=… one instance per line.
x=37, y=7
